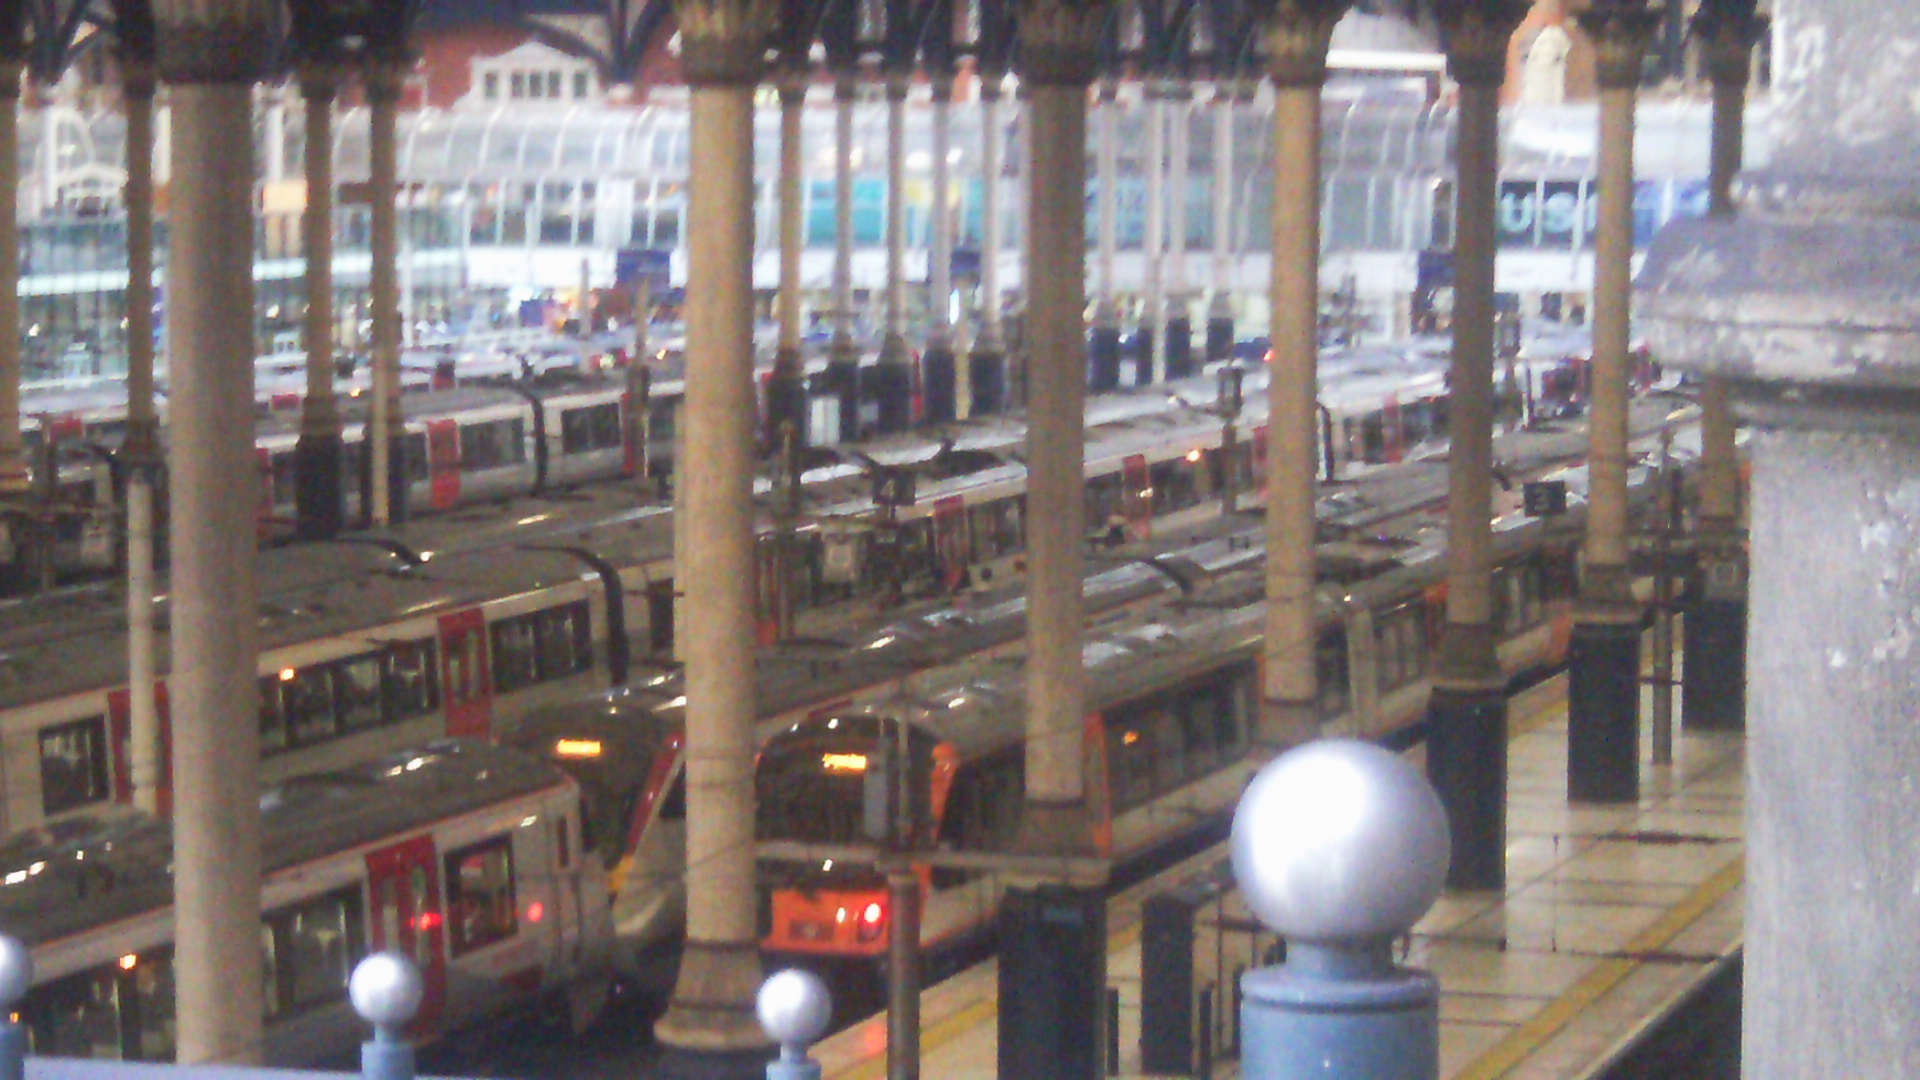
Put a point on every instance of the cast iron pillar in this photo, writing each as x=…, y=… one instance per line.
x=842, y=377
x=1297, y=34
x=1103, y=349
x=1220, y=308
x=1713, y=690
x=709, y=1028
x=936, y=365
x=140, y=451
x=17, y=569
x=319, y=497
x=211, y=56
x=1179, y=325
x=787, y=388
x=1603, y=686
x=1467, y=713
x=383, y=75
x=987, y=366
x=1148, y=336
x=1806, y=304
x=893, y=375
x=1053, y=966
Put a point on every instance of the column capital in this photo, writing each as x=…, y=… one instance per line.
x=319, y=79
x=383, y=76
x=1296, y=34
x=1060, y=40
x=1474, y=34
x=1727, y=34
x=724, y=42
x=1620, y=31
x=139, y=75
x=214, y=41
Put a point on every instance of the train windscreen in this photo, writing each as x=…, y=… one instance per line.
x=811, y=786
x=615, y=762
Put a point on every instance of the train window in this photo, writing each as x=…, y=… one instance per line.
x=541, y=646
x=593, y=427
x=407, y=682
x=307, y=700
x=73, y=765
x=463, y=667
x=154, y=1029
x=996, y=528
x=356, y=691
x=1129, y=763
x=309, y=950
x=414, y=447
x=493, y=445
x=982, y=811
x=285, y=477
x=78, y=1016
x=562, y=842
x=1169, y=754
x=480, y=899
x=1175, y=485
x=1330, y=664
x=674, y=807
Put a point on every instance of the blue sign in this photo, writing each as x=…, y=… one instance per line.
x=652, y=265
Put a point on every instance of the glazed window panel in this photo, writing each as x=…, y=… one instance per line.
x=273, y=725
x=73, y=765
x=407, y=679
x=514, y=662
x=309, y=950
x=356, y=691
x=480, y=895
x=307, y=701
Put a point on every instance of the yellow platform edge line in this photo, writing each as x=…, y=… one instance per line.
x=1509, y=1052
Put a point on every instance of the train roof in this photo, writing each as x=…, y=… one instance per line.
x=82, y=873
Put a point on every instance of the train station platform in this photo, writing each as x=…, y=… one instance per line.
x=1611, y=917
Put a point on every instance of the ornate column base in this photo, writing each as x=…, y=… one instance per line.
x=319, y=495
x=1053, y=978
x=786, y=399
x=939, y=384
x=1603, y=711
x=1179, y=347
x=1143, y=354
x=397, y=500
x=987, y=374
x=709, y=1030
x=1713, y=685
x=1467, y=763
x=891, y=385
x=1103, y=358
x=841, y=381
x=1055, y=829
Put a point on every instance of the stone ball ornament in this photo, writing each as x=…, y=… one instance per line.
x=794, y=1008
x=16, y=970
x=386, y=989
x=1340, y=840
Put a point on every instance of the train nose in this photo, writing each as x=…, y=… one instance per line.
x=873, y=922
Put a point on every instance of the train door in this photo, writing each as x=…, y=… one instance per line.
x=443, y=462
x=403, y=915
x=464, y=673
x=1136, y=495
x=120, y=720
x=952, y=545
x=1260, y=459
x=660, y=616
x=1392, y=435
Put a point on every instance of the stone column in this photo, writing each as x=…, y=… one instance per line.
x=384, y=445
x=1713, y=688
x=787, y=389
x=893, y=376
x=1179, y=329
x=1103, y=360
x=1220, y=310
x=711, y=1018
x=987, y=367
x=843, y=352
x=1150, y=360
x=1296, y=37
x=211, y=56
x=1805, y=305
x=1603, y=688
x=1467, y=713
x=320, y=503
x=1058, y=69
x=936, y=366
x=140, y=452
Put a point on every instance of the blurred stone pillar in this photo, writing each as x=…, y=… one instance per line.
x=384, y=445
x=987, y=366
x=140, y=451
x=320, y=499
x=1220, y=310
x=937, y=365
x=787, y=389
x=893, y=375
x=1103, y=349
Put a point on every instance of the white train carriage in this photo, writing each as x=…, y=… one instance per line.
x=468, y=858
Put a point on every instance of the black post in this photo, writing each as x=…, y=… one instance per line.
x=1053, y=953
x=1103, y=359
x=1166, y=984
x=1179, y=347
x=1713, y=680
x=941, y=390
x=1467, y=763
x=1603, y=713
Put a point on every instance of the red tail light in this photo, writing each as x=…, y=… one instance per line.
x=873, y=921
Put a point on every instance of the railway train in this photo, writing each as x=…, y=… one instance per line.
x=468, y=858
x=445, y=628
x=1173, y=687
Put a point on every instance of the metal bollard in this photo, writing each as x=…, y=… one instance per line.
x=16, y=975
x=1339, y=886
x=794, y=1008
x=386, y=989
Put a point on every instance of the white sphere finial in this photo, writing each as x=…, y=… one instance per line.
x=16, y=971
x=1340, y=840
x=794, y=1008
x=386, y=989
